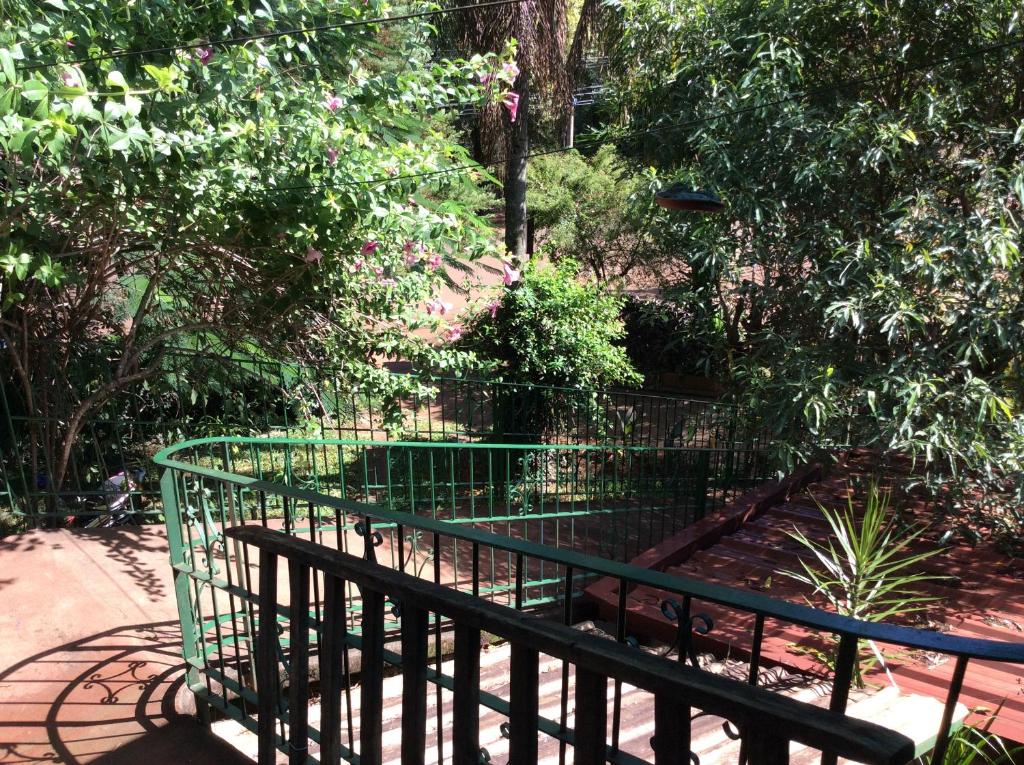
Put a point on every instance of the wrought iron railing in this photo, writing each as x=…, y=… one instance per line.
x=525, y=568
x=768, y=723
x=277, y=399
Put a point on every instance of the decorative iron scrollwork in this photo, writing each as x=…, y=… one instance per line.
x=372, y=539
x=686, y=625
x=207, y=542
x=505, y=730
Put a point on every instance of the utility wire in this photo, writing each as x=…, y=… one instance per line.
x=819, y=90
x=243, y=39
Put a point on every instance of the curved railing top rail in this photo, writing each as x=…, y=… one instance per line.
x=481, y=445
x=795, y=613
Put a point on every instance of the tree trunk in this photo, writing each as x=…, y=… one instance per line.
x=515, y=172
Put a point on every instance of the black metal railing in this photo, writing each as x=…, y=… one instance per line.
x=768, y=722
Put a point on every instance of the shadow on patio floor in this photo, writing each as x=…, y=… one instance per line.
x=107, y=698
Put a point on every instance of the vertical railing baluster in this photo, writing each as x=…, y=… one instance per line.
x=956, y=684
x=298, y=675
x=671, y=732
x=466, y=708
x=371, y=698
x=752, y=674
x=591, y=717
x=522, y=748
x=564, y=697
x=414, y=684
x=331, y=674
x=846, y=662
x=764, y=747
x=266, y=663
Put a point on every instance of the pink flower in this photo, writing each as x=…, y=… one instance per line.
x=332, y=103
x=357, y=266
x=511, y=275
x=369, y=247
x=379, y=270
x=332, y=156
x=412, y=253
x=392, y=171
x=438, y=306
x=388, y=282
x=313, y=256
x=494, y=306
x=70, y=43
x=510, y=70
x=70, y=79
x=454, y=333
x=511, y=102
x=434, y=261
x=204, y=55
x=486, y=77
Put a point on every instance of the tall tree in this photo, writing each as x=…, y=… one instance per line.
x=866, y=277
x=547, y=68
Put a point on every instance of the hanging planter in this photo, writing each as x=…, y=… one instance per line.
x=680, y=197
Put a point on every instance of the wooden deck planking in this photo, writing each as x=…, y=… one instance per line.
x=985, y=599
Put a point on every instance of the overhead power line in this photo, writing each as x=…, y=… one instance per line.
x=243, y=39
x=813, y=91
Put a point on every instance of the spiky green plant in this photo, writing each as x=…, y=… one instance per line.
x=977, y=745
x=863, y=569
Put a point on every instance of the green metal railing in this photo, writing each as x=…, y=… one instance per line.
x=602, y=502
x=478, y=538
x=609, y=501
x=254, y=397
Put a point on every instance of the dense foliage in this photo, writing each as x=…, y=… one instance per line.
x=595, y=210
x=554, y=329
x=866, y=277
x=219, y=194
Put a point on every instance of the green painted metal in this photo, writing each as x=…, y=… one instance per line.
x=357, y=503
x=485, y=518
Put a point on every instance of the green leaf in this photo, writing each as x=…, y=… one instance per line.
x=116, y=79
x=34, y=90
x=7, y=65
x=81, y=106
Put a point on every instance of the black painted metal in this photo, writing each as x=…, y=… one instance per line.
x=466, y=709
x=522, y=746
x=331, y=665
x=266, y=657
x=955, y=686
x=772, y=720
x=371, y=674
x=415, y=623
x=298, y=670
x=671, y=743
x=591, y=717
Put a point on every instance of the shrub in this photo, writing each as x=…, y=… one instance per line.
x=554, y=330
